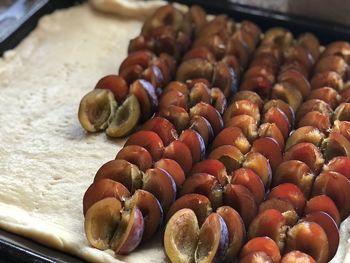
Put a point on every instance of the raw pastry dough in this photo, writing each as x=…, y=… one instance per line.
x=47, y=161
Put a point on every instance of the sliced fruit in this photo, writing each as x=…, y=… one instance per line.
x=158, y=182
x=311, y=43
x=101, y=220
x=261, y=85
x=242, y=200
x=305, y=134
x=289, y=94
x=229, y=155
x=342, y=112
x=210, y=113
x=268, y=147
x=219, y=100
x=212, y=240
x=313, y=105
x=181, y=153
x=232, y=136
x=203, y=127
x=236, y=231
x=336, y=145
x=326, y=94
x=121, y=171
x=174, y=170
x=145, y=93
x=142, y=58
x=325, y=204
x=249, y=179
x=102, y=189
x=247, y=124
x=125, y=119
x=181, y=236
x=338, y=48
x=177, y=86
x=283, y=106
x=97, y=109
x=198, y=203
x=178, y=116
x=270, y=223
x=173, y=97
x=213, y=167
x=195, y=68
x=241, y=107
x=248, y=95
x=199, y=52
x=337, y=187
x=205, y=184
x=260, y=165
x=343, y=127
x=284, y=206
x=316, y=119
x=332, y=63
x=271, y=130
x=296, y=79
x=277, y=116
x=291, y=193
x=339, y=164
x=199, y=92
x=150, y=141
x=307, y=153
x=330, y=228
x=116, y=84
x=310, y=238
x=195, y=143
x=136, y=155
x=297, y=256
x=263, y=244
x=151, y=210
x=164, y=128
x=327, y=79
x=295, y=172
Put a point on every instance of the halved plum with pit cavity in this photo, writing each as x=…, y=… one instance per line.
x=158, y=182
x=150, y=141
x=137, y=155
x=263, y=244
x=213, y=167
x=270, y=148
x=290, y=192
x=295, y=172
x=260, y=165
x=121, y=171
x=270, y=223
x=337, y=187
x=198, y=203
x=229, y=155
x=307, y=153
x=242, y=200
x=236, y=230
x=205, y=184
x=232, y=136
x=308, y=237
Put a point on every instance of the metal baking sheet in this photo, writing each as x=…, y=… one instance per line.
x=18, y=249
x=19, y=17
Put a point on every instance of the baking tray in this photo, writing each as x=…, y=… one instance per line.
x=18, y=249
